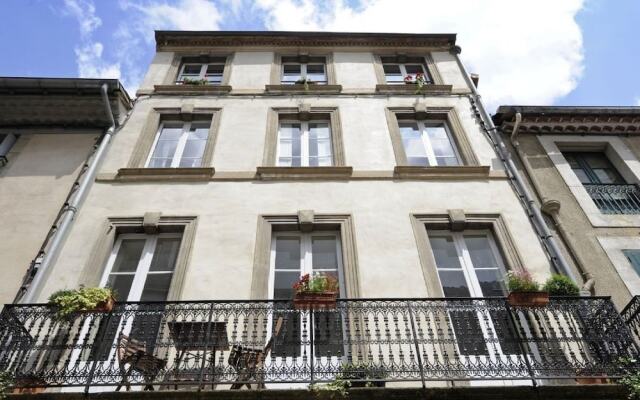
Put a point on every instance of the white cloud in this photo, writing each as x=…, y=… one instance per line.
x=638, y=101
x=89, y=52
x=525, y=52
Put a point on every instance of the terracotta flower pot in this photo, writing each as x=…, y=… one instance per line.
x=311, y=300
x=105, y=306
x=528, y=299
x=29, y=385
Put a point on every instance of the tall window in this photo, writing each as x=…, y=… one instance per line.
x=470, y=265
x=296, y=69
x=304, y=144
x=195, y=69
x=294, y=254
x=396, y=69
x=428, y=144
x=634, y=259
x=180, y=143
x=607, y=188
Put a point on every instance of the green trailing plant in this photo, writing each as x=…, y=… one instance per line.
x=561, y=285
x=69, y=301
x=630, y=377
x=336, y=389
x=6, y=381
x=195, y=82
x=361, y=373
x=521, y=281
x=306, y=82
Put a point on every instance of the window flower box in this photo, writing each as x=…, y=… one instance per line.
x=317, y=292
x=524, y=291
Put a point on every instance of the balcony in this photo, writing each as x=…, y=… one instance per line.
x=615, y=198
x=631, y=315
x=219, y=345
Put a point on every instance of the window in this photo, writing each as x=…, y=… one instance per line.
x=140, y=268
x=304, y=143
x=296, y=69
x=180, y=143
x=428, y=143
x=634, y=259
x=294, y=254
x=210, y=69
x=396, y=71
x=603, y=182
x=469, y=265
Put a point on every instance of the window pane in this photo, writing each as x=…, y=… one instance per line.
x=288, y=253
x=194, y=148
x=160, y=163
x=156, y=287
x=444, y=252
x=315, y=73
x=480, y=251
x=190, y=162
x=413, y=144
x=289, y=143
x=414, y=69
x=283, y=284
x=319, y=130
x=128, y=255
x=121, y=284
x=392, y=73
x=634, y=258
x=171, y=131
x=192, y=69
x=165, y=149
x=215, y=69
x=453, y=284
x=291, y=73
x=491, y=282
x=166, y=252
x=324, y=253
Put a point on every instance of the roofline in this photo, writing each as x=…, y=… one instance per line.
x=506, y=113
x=167, y=38
x=45, y=85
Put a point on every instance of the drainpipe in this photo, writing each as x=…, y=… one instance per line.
x=71, y=207
x=535, y=215
x=552, y=209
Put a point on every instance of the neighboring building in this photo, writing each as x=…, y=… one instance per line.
x=48, y=128
x=253, y=158
x=582, y=162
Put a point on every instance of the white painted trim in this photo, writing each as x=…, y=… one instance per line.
x=304, y=141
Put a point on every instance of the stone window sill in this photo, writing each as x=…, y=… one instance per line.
x=299, y=89
x=412, y=88
x=304, y=173
x=192, y=89
x=164, y=174
x=454, y=173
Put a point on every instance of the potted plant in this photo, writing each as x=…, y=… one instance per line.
x=319, y=291
x=363, y=375
x=26, y=384
x=195, y=82
x=561, y=285
x=419, y=79
x=306, y=82
x=524, y=291
x=84, y=299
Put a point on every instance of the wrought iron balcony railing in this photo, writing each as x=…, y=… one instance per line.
x=225, y=344
x=631, y=315
x=614, y=198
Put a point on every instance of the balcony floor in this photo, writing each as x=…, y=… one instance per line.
x=549, y=392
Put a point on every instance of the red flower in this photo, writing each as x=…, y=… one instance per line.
x=408, y=78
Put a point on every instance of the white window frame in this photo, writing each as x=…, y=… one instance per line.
x=182, y=142
x=403, y=72
x=203, y=71
x=303, y=72
x=304, y=139
x=306, y=256
x=426, y=142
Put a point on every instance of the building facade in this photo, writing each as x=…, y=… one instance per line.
x=48, y=128
x=582, y=162
x=251, y=159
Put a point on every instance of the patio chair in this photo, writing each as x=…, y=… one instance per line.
x=134, y=353
x=247, y=361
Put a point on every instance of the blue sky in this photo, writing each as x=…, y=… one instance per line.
x=564, y=52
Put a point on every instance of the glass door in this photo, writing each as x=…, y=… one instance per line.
x=294, y=254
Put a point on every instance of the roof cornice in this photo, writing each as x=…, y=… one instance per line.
x=570, y=120
x=176, y=39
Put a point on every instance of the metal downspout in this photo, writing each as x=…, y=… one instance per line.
x=551, y=208
x=71, y=207
x=539, y=224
